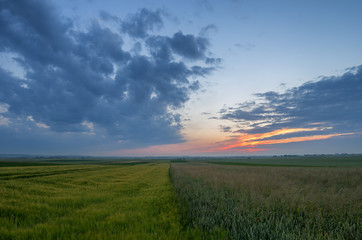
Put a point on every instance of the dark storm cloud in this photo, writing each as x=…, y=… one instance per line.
x=334, y=101
x=85, y=81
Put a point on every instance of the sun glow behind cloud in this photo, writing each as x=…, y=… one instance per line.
x=250, y=142
x=243, y=143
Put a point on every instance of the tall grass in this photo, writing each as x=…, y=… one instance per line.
x=270, y=202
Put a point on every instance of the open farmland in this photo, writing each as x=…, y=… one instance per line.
x=270, y=202
x=132, y=200
x=268, y=198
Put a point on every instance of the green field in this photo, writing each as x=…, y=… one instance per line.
x=275, y=198
x=311, y=161
x=124, y=201
x=270, y=202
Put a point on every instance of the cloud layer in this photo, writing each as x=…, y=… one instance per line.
x=326, y=108
x=86, y=81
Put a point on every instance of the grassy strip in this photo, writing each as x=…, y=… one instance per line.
x=110, y=202
x=270, y=203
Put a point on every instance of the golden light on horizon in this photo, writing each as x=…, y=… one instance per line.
x=246, y=140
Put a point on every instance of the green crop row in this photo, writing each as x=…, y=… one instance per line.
x=124, y=201
x=270, y=202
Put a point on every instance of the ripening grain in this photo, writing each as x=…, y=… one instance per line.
x=271, y=202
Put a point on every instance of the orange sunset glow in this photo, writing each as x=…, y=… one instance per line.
x=249, y=141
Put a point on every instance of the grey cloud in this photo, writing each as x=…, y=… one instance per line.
x=195, y=85
x=334, y=101
x=73, y=78
x=189, y=46
x=213, y=61
x=139, y=24
x=225, y=128
x=237, y=114
x=202, y=71
x=30, y=139
x=205, y=30
x=213, y=118
x=105, y=16
x=185, y=45
x=246, y=46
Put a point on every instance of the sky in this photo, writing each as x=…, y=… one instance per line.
x=180, y=78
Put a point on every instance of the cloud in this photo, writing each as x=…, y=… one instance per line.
x=246, y=140
x=139, y=24
x=105, y=16
x=334, y=101
x=225, y=128
x=74, y=78
x=205, y=113
x=247, y=46
x=32, y=139
x=207, y=29
x=322, y=109
x=189, y=46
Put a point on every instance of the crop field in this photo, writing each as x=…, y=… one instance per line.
x=119, y=201
x=310, y=161
x=185, y=199
x=270, y=202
